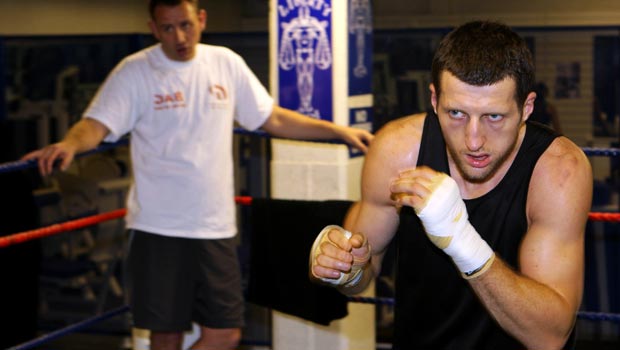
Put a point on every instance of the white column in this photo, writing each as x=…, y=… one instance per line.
x=314, y=57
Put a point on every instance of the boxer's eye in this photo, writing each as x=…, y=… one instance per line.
x=495, y=117
x=456, y=114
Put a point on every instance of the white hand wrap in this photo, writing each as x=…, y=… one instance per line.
x=348, y=279
x=445, y=220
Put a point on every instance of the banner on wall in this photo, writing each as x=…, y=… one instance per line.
x=360, y=47
x=359, y=25
x=305, y=57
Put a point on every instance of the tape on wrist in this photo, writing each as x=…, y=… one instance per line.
x=447, y=225
x=468, y=250
x=479, y=271
x=355, y=279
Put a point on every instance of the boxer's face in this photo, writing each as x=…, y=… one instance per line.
x=178, y=28
x=482, y=125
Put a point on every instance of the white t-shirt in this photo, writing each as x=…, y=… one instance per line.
x=181, y=118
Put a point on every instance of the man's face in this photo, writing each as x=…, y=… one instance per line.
x=481, y=125
x=178, y=28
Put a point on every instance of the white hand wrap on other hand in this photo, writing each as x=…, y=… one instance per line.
x=445, y=220
x=348, y=279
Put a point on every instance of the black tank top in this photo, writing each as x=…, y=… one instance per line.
x=435, y=307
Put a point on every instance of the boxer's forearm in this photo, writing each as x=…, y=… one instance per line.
x=536, y=315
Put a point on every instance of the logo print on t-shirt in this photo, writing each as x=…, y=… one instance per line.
x=219, y=92
x=166, y=101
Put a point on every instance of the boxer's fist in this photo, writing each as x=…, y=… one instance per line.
x=436, y=199
x=336, y=258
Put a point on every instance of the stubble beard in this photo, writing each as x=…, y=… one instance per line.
x=480, y=175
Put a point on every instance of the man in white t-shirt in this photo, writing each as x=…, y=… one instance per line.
x=179, y=99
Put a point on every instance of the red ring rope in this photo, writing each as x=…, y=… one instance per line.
x=58, y=228
x=76, y=224
x=609, y=217
x=119, y=213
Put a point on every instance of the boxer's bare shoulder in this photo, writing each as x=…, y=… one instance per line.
x=398, y=141
x=394, y=149
x=562, y=179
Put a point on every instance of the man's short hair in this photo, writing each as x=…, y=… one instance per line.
x=154, y=3
x=482, y=53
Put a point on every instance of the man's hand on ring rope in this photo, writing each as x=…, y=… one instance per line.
x=59, y=155
x=436, y=199
x=338, y=257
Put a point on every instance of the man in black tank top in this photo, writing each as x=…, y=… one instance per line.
x=488, y=210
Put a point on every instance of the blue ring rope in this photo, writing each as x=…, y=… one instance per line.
x=69, y=329
x=32, y=163
x=598, y=316
x=260, y=133
x=607, y=152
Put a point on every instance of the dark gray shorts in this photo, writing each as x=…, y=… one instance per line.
x=173, y=281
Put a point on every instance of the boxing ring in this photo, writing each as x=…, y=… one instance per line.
x=92, y=220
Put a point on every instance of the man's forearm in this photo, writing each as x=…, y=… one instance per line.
x=86, y=135
x=290, y=124
x=533, y=313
